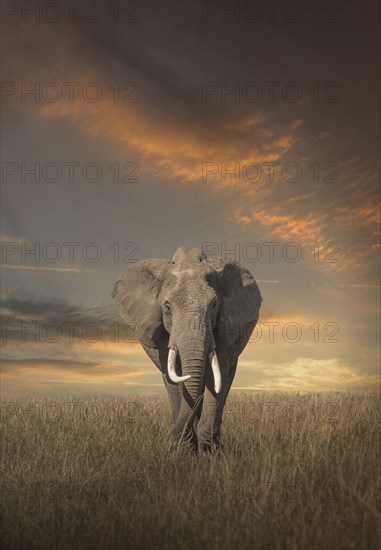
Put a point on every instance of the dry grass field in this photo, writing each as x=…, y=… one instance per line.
x=298, y=471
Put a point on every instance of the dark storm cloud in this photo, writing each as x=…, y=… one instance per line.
x=27, y=318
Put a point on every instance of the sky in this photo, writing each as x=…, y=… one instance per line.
x=247, y=129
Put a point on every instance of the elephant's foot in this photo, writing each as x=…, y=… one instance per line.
x=208, y=435
x=184, y=440
x=210, y=445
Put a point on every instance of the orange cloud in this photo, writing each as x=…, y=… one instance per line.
x=177, y=148
x=173, y=152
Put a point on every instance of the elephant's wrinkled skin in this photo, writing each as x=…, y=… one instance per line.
x=204, y=310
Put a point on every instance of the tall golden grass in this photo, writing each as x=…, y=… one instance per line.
x=297, y=471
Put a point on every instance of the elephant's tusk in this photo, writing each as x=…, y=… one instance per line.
x=216, y=372
x=172, y=368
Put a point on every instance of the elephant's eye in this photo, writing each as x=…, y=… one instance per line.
x=167, y=307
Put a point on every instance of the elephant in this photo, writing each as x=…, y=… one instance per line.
x=193, y=316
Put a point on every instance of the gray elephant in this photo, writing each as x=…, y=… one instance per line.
x=193, y=316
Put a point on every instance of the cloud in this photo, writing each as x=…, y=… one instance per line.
x=12, y=239
x=63, y=368
x=304, y=374
x=174, y=133
x=174, y=152
x=65, y=377
x=221, y=155
x=26, y=317
x=36, y=268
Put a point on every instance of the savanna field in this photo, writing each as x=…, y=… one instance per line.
x=297, y=471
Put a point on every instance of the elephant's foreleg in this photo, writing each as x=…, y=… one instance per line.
x=174, y=397
x=209, y=425
x=175, y=392
x=208, y=428
x=160, y=358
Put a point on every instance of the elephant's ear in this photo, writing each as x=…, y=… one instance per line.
x=135, y=295
x=241, y=300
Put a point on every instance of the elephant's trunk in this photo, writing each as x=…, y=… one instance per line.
x=193, y=353
x=171, y=368
x=192, y=393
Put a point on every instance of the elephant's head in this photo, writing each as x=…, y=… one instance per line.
x=193, y=310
